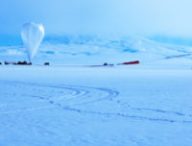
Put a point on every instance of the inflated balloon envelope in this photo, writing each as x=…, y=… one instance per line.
x=32, y=35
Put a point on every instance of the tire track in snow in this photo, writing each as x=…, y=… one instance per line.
x=161, y=111
x=155, y=110
x=71, y=96
x=121, y=115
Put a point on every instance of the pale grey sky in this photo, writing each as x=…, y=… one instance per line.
x=124, y=17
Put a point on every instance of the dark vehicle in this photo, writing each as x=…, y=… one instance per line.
x=46, y=63
x=7, y=63
x=18, y=63
x=108, y=64
x=23, y=63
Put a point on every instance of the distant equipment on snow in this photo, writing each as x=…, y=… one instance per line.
x=130, y=62
x=32, y=35
x=46, y=63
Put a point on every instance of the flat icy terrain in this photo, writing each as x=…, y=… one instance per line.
x=73, y=104
x=118, y=106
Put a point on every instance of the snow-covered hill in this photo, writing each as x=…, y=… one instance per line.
x=93, y=50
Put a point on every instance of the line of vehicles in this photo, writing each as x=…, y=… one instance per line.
x=25, y=63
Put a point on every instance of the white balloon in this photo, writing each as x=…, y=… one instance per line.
x=32, y=35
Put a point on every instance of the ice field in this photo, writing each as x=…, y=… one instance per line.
x=71, y=103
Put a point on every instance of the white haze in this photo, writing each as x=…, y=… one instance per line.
x=122, y=17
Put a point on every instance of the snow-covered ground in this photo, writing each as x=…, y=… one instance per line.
x=64, y=105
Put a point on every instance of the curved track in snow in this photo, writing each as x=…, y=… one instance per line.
x=20, y=97
x=21, y=93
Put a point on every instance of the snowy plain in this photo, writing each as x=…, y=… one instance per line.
x=72, y=103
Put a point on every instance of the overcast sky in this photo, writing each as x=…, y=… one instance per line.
x=124, y=17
